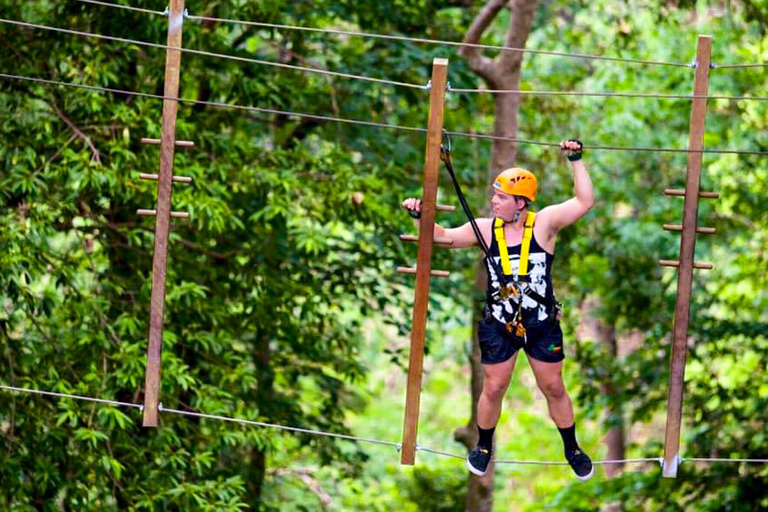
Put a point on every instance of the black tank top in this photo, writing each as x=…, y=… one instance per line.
x=539, y=272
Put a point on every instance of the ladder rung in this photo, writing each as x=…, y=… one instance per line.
x=681, y=192
x=179, y=143
x=675, y=263
x=436, y=240
x=177, y=179
x=150, y=213
x=678, y=227
x=434, y=273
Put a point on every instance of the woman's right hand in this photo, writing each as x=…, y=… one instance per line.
x=413, y=205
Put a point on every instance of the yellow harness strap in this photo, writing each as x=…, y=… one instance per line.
x=498, y=231
x=526, y=246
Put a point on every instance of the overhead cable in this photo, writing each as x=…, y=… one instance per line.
x=369, y=123
x=424, y=40
x=608, y=94
x=417, y=39
x=741, y=66
x=212, y=54
x=214, y=104
x=121, y=6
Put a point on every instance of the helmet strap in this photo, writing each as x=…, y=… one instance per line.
x=519, y=212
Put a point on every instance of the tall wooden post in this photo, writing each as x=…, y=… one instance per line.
x=423, y=265
x=163, y=214
x=686, y=264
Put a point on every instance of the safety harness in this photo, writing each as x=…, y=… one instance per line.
x=508, y=286
x=522, y=274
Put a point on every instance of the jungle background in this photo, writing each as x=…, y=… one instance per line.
x=282, y=303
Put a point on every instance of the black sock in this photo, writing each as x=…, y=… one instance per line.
x=569, y=439
x=486, y=437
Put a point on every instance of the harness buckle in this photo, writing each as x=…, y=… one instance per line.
x=505, y=292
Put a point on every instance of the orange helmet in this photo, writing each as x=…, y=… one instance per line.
x=517, y=182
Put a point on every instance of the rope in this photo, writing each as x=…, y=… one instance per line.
x=715, y=459
x=65, y=395
x=279, y=427
x=362, y=123
x=608, y=94
x=355, y=438
x=128, y=7
x=428, y=41
x=609, y=148
x=212, y=54
x=737, y=66
x=216, y=104
x=547, y=462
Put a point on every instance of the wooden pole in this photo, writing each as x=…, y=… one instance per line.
x=424, y=261
x=163, y=216
x=687, y=249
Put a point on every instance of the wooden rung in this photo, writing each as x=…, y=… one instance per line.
x=177, y=179
x=434, y=273
x=445, y=208
x=681, y=192
x=175, y=215
x=675, y=263
x=703, y=231
x=438, y=240
x=179, y=143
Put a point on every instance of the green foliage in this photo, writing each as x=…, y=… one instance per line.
x=281, y=303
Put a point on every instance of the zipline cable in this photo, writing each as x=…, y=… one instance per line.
x=417, y=39
x=212, y=54
x=355, y=438
x=609, y=94
x=378, y=80
x=215, y=104
x=279, y=427
x=365, y=123
x=121, y=6
x=65, y=395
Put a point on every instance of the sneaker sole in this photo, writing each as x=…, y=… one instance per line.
x=587, y=476
x=472, y=469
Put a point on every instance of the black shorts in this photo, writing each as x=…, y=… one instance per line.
x=545, y=342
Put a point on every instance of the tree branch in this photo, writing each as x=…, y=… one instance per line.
x=77, y=132
x=519, y=29
x=479, y=63
x=305, y=475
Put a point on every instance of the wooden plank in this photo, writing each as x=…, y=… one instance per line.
x=675, y=263
x=687, y=252
x=423, y=264
x=414, y=270
x=176, y=179
x=178, y=143
x=678, y=227
x=151, y=213
x=163, y=217
x=681, y=192
x=438, y=240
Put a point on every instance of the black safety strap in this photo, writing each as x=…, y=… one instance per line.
x=504, y=281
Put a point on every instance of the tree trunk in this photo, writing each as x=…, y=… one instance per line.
x=257, y=467
x=503, y=72
x=591, y=328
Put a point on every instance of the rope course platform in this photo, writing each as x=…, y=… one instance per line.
x=398, y=446
x=176, y=15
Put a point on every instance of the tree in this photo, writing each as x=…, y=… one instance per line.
x=502, y=72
